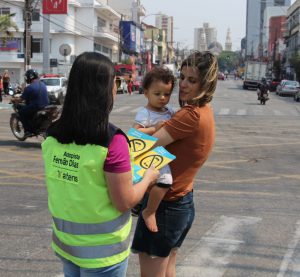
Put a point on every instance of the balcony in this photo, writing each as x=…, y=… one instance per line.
x=106, y=11
x=16, y=57
x=110, y=34
x=141, y=10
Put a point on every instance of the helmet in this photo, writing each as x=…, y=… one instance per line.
x=30, y=75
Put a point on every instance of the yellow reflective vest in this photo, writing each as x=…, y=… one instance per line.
x=87, y=229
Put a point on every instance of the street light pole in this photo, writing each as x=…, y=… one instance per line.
x=28, y=22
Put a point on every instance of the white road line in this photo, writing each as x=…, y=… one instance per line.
x=257, y=112
x=241, y=112
x=224, y=111
x=121, y=109
x=293, y=112
x=276, y=112
x=135, y=110
x=210, y=255
x=288, y=257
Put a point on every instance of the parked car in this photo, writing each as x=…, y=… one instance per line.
x=123, y=85
x=297, y=96
x=287, y=87
x=273, y=84
x=221, y=76
x=56, y=87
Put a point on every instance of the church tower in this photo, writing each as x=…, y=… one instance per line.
x=228, y=43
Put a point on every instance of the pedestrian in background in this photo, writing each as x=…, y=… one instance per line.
x=89, y=175
x=6, y=82
x=192, y=128
x=130, y=85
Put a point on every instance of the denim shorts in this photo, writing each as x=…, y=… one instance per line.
x=174, y=220
x=73, y=270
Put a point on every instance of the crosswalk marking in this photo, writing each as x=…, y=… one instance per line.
x=211, y=254
x=135, y=110
x=293, y=112
x=121, y=109
x=224, y=111
x=288, y=257
x=276, y=112
x=241, y=112
x=258, y=111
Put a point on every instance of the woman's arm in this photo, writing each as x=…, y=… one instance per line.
x=124, y=195
x=164, y=138
x=148, y=130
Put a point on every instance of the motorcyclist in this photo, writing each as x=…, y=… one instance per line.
x=35, y=97
x=263, y=88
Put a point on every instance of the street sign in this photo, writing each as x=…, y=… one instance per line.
x=53, y=62
x=20, y=56
x=55, y=6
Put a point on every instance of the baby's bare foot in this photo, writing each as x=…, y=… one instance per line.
x=150, y=220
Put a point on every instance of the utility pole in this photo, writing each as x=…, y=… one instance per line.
x=28, y=22
x=120, y=38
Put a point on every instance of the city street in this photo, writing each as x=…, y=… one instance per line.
x=247, y=195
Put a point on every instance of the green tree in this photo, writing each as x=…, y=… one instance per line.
x=228, y=60
x=295, y=62
x=6, y=26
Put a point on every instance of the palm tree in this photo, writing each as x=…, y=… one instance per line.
x=6, y=26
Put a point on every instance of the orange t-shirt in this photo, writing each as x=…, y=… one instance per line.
x=193, y=131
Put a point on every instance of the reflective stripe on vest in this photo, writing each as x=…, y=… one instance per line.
x=91, y=229
x=92, y=252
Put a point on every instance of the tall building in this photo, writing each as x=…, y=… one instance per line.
x=129, y=9
x=200, y=43
x=204, y=36
x=228, y=42
x=165, y=22
x=255, y=25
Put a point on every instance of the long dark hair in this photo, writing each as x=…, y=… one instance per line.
x=88, y=101
x=207, y=66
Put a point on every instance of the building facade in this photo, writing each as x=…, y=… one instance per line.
x=99, y=31
x=255, y=25
x=204, y=36
x=292, y=38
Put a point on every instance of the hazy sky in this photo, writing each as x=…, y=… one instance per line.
x=190, y=14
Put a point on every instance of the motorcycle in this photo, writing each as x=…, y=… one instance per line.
x=262, y=97
x=40, y=122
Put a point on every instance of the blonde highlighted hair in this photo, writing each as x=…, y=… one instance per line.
x=207, y=66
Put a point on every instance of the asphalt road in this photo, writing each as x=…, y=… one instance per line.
x=247, y=194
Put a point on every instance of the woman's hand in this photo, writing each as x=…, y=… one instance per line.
x=151, y=175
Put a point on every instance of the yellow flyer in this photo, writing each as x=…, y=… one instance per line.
x=158, y=157
x=140, y=142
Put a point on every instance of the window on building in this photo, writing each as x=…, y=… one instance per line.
x=4, y=11
x=37, y=45
x=13, y=44
x=279, y=2
x=101, y=22
x=103, y=50
x=36, y=15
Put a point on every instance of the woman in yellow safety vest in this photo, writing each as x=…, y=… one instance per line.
x=88, y=170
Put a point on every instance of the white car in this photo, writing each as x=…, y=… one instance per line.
x=123, y=85
x=287, y=87
x=56, y=88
